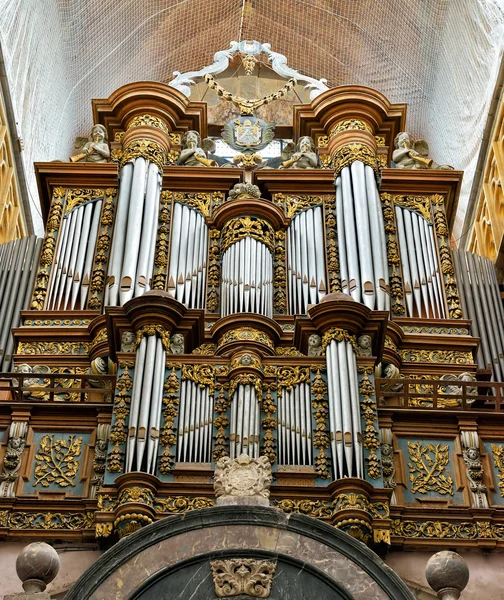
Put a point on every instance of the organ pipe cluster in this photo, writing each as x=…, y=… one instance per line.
x=481, y=302
x=245, y=422
x=18, y=268
x=295, y=426
x=194, y=441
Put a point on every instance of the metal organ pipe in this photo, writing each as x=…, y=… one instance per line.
x=306, y=261
x=344, y=410
x=244, y=425
x=294, y=426
x=247, y=277
x=194, y=438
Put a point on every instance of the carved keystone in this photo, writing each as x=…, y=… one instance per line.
x=243, y=480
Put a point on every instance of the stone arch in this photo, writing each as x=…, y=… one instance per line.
x=173, y=555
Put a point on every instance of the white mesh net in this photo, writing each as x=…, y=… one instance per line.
x=439, y=56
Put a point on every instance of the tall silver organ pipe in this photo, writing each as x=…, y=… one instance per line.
x=146, y=404
x=18, y=268
x=294, y=429
x=132, y=254
x=306, y=273
x=344, y=410
x=188, y=255
x=195, y=425
x=361, y=237
x=71, y=274
x=420, y=265
x=247, y=278
x=245, y=422
x=480, y=295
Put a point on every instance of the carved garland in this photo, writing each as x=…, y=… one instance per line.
x=119, y=431
x=162, y=243
x=369, y=415
x=450, y=285
x=420, y=204
x=279, y=274
x=148, y=121
x=168, y=437
x=103, y=243
x=152, y=329
x=241, y=227
x=321, y=415
x=333, y=265
x=269, y=424
x=349, y=153
x=339, y=335
x=213, y=278
x=221, y=422
x=56, y=461
x=394, y=260
x=48, y=248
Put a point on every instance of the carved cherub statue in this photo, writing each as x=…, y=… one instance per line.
x=194, y=152
x=314, y=345
x=128, y=341
x=304, y=157
x=96, y=150
x=410, y=154
x=38, y=370
x=177, y=343
x=364, y=344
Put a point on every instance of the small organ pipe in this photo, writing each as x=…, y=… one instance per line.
x=341, y=237
x=57, y=262
x=76, y=243
x=403, y=247
x=182, y=412
x=81, y=253
x=10, y=298
x=471, y=309
x=7, y=267
x=422, y=274
x=379, y=261
x=65, y=261
x=346, y=408
x=33, y=273
x=431, y=241
x=429, y=267
x=354, y=281
x=176, y=232
x=356, y=419
x=88, y=262
x=191, y=257
x=494, y=286
x=196, y=263
x=136, y=397
x=155, y=409
x=417, y=294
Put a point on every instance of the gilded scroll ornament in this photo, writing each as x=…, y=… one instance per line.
x=181, y=504
x=326, y=509
x=498, y=458
x=205, y=349
x=435, y=330
x=213, y=274
x=148, y=121
x=48, y=248
x=246, y=379
x=322, y=141
x=290, y=351
x=29, y=348
x=152, y=329
x=369, y=415
x=288, y=377
x=454, y=357
x=246, y=334
x=168, y=437
x=321, y=416
x=241, y=227
x=203, y=375
x=76, y=197
x=420, y=204
x=147, y=149
x=279, y=274
x=349, y=125
x=200, y=201
x=349, y=153
x=247, y=576
x=118, y=432
x=73, y=521
x=103, y=530
x=394, y=260
x=162, y=242
x=57, y=322
x=56, y=461
x=427, y=464
x=292, y=204
x=332, y=254
x=339, y=335
x=465, y=530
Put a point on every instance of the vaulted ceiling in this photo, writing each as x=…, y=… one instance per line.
x=439, y=56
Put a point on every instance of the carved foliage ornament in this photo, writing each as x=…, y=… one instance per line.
x=349, y=153
x=147, y=149
x=148, y=121
x=246, y=333
x=242, y=227
x=243, y=476
x=350, y=125
x=427, y=468
x=237, y=576
x=339, y=335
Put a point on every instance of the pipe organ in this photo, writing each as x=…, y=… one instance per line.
x=193, y=313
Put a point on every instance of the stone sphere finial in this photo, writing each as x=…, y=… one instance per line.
x=36, y=566
x=447, y=574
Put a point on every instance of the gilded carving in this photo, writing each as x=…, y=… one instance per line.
x=455, y=357
x=427, y=468
x=118, y=432
x=293, y=204
x=339, y=335
x=205, y=349
x=162, y=242
x=290, y=351
x=394, y=260
x=181, y=504
x=237, y=576
x=29, y=348
x=73, y=521
x=349, y=153
x=147, y=149
x=103, y=243
x=12, y=458
x=56, y=461
x=269, y=424
x=321, y=416
x=332, y=255
x=48, y=248
x=241, y=227
x=279, y=274
x=326, y=509
x=168, y=437
x=103, y=529
x=246, y=333
x=201, y=201
x=213, y=276
x=420, y=204
x=152, y=329
x=287, y=377
x=349, y=125
x=100, y=458
x=148, y=121
x=459, y=530
x=221, y=422
x=369, y=415
x=498, y=458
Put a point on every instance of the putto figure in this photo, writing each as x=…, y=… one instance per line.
x=314, y=345
x=410, y=154
x=96, y=150
x=177, y=343
x=192, y=153
x=304, y=157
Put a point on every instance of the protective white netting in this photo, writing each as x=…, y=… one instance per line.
x=439, y=56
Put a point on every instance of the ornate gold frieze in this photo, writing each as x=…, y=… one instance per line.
x=203, y=375
x=246, y=333
x=293, y=204
x=419, y=204
x=454, y=357
x=279, y=274
x=247, y=576
x=48, y=248
x=29, y=348
x=205, y=349
x=152, y=329
x=427, y=468
x=269, y=424
x=103, y=244
x=349, y=153
x=119, y=431
x=56, y=322
x=221, y=422
x=333, y=265
x=321, y=415
x=393, y=258
x=168, y=437
x=147, y=149
x=162, y=242
x=450, y=285
x=349, y=125
x=326, y=509
x=288, y=377
x=291, y=351
x=56, y=461
x=201, y=201
x=148, y=121
x=47, y=520
x=498, y=458
x=339, y=335
x=76, y=197
x=213, y=274
x=181, y=504
x=241, y=227
x=370, y=440
x=435, y=330
x=459, y=530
